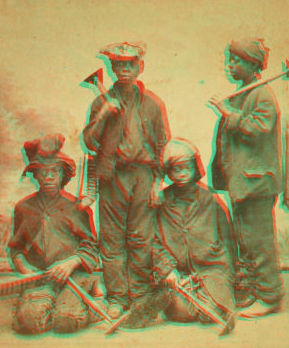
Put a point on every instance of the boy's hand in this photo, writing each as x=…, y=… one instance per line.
x=173, y=279
x=61, y=270
x=23, y=266
x=110, y=108
x=156, y=196
x=220, y=104
x=84, y=203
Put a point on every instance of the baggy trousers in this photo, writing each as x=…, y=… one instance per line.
x=53, y=307
x=254, y=224
x=126, y=232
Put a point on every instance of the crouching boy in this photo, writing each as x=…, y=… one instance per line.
x=52, y=236
x=189, y=240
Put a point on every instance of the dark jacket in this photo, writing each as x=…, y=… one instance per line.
x=152, y=113
x=46, y=234
x=247, y=161
x=190, y=228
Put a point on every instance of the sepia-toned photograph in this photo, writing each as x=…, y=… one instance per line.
x=144, y=173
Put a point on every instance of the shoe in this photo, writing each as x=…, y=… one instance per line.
x=260, y=309
x=115, y=310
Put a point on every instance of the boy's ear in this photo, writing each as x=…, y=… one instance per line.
x=141, y=66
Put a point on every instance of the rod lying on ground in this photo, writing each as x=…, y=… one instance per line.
x=226, y=325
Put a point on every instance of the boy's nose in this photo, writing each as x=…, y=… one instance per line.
x=126, y=66
x=49, y=175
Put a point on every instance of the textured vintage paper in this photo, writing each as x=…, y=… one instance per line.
x=48, y=47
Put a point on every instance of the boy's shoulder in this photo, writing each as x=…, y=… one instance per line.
x=149, y=96
x=26, y=202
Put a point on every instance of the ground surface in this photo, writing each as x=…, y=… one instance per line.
x=272, y=331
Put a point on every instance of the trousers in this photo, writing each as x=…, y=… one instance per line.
x=254, y=228
x=126, y=232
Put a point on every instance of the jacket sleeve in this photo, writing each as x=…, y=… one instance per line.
x=87, y=249
x=93, y=130
x=17, y=242
x=162, y=261
x=162, y=135
x=257, y=117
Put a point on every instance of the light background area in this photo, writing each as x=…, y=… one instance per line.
x=48, y=47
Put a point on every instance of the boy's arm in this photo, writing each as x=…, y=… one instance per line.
x=100, y=112
x=86, y=254
x=260, y=119
x=163, y=263
x=17, y=244
x=162, y=135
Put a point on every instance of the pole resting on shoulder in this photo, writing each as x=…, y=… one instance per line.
x=284, y=74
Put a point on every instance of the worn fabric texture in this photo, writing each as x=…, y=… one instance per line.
x=247, y=165
x=191, y=225
x=126, y=165
x=126, y=232
x=137, y=136
x=45, y=235
x=54, y=307
x=248, y=149
x=255, y=225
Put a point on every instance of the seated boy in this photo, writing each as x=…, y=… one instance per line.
x=190, y=228
x=52, y=236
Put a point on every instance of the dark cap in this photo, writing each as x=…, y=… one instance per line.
x=125, y=51
x=181, y=150
x=251, y=49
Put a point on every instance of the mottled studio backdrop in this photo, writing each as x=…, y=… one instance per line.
x=48, y=48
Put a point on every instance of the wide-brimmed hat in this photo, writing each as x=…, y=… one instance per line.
x=181, y=150
x=46, y=150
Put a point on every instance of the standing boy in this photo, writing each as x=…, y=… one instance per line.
x=51, y=235
x=127, y=130
x=247, y=165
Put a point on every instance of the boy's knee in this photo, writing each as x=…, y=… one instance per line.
x=66, y=320
x=33, y=315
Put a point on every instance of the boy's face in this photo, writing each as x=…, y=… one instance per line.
x=182, y=172
x=49, y=177
x=241, y=69
x=126, y=71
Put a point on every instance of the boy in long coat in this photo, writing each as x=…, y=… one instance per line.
x=247, y=165
x=51, y=235
x=191, y=231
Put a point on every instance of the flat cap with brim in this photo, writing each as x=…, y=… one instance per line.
x=46, y=150
x=251, y=49
x=124, y=51
x=179, y=150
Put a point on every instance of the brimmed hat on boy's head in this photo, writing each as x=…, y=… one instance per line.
x=181, y=150
x=46, y=150
x=125, y=51
x=251, y=49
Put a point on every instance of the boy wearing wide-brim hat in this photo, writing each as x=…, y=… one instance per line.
x=51, y=235
x=192, y=228
x=247, y=165
x=127, y=130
